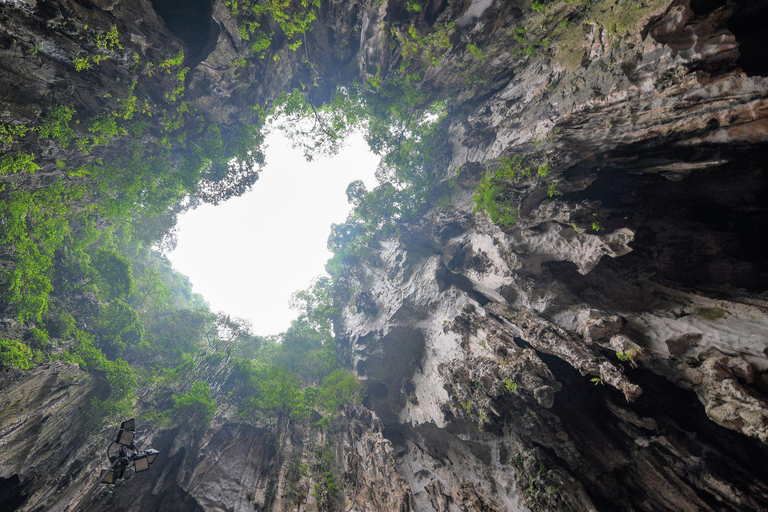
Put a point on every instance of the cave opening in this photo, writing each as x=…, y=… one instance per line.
x=192, y=22
x=249, y=254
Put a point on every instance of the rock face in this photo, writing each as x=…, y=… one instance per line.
x=41, y=425
x=606, y=352
x=49, y=462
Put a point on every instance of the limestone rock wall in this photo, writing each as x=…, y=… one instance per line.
x=52, y=456
x=42, y=421
x=490, y=355
x=493, y=354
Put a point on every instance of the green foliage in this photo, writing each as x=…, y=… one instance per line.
x=128, y=108
x=178, y=92
x=85, y=249
x=61, y=324
x=104, y=129
x=430, y=48
x=511, y=168
x=38, y=338
x=122, y=383
x=117, y=326
x=330, y=124
x=303, y=350
x=34, y=225
x=170, y=63
x=409, y=140
x=19, y=162
x=55, y=125
x=280, y=393
x=177, y=375
x=510, y=385
x=176, y=332
x=294, y=17
x=271, y=389
x=261, y=43
x=109, y=41
x=197, y=405
x=230, y=161
x=630, y=356
x=118, y=374
x=491, y=198
x=413, y=6
x=399, y=124
x=115, y=273
x=82, y=63
x=17, y=354
x=492, y=194
x=527, y=42
x=326, y=488
x=476, y=52
x=289, y=377
x=339, y=390
x=150, y=292
x=316, y=308
x=10, y=132
x=156, y=418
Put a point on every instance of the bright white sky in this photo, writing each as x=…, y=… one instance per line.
x=249, y=254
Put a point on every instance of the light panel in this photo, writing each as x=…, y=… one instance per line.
x=128, y=424
x=141, y=464
x=108, y=476
x=125, y=437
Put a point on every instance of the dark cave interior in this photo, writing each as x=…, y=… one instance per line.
x=192, y=22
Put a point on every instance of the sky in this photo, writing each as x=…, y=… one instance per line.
x=248, y=255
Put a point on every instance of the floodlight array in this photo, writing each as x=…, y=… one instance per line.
x=127, y=454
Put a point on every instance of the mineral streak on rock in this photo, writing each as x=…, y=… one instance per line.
x=608, y=351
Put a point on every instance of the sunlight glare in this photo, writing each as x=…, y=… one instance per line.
x=248, y=255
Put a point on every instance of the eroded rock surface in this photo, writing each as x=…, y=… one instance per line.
x=526, y=329
x=51, y=457
x=606, y=352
